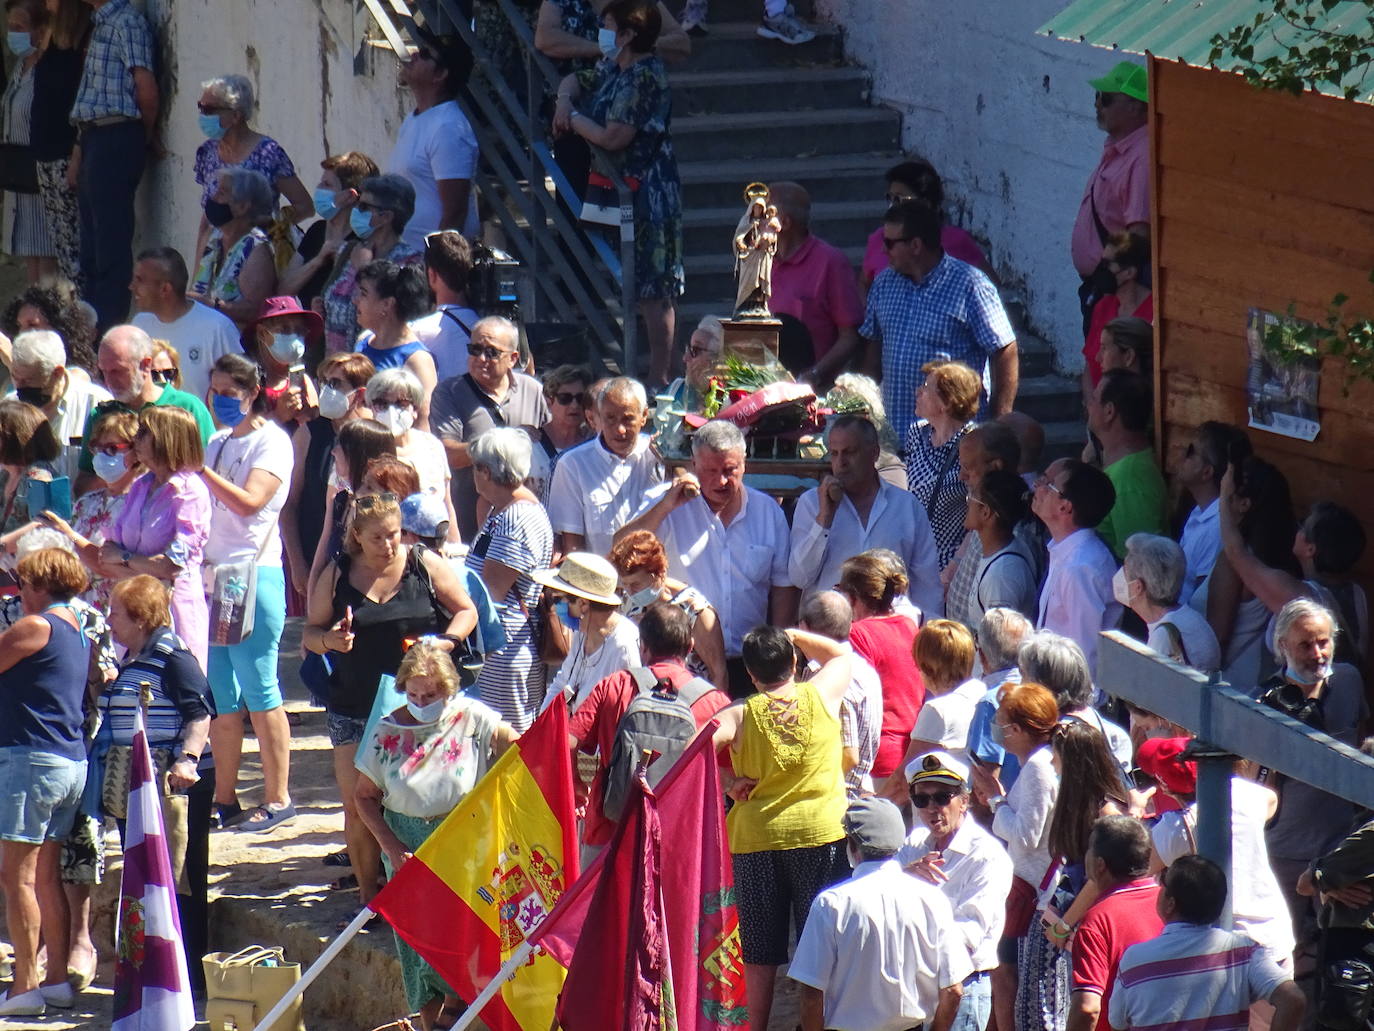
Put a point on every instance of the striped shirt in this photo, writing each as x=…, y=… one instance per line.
x=1192, y=977
x=120, y=42
x=179, y=692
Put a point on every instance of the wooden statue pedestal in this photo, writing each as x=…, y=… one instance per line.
x=752, y=340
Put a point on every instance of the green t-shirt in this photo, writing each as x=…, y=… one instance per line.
x=170, y=396
x=1140, y=500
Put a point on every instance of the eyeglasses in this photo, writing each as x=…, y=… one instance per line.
x=368, y=502
x=111, y=449
x=567, y=397
x=213, y=109
x=488, y=352
x=339, y=384
x=893, y=198
x=367, y=206
x=697, y=351
x=162, y=377
x=1044, y=481
x=395, y=402
x=891, y=242
x=921, y=800
x=1105, y=99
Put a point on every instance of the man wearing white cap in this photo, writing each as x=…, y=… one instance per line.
x=880, y=951
x=968, y=864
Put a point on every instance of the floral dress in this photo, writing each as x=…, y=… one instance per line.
x=424, y=771
x=638, y=96
x=341, y=327
x=217, y=275
x=93, y=517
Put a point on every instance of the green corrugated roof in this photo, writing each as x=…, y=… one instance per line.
x=1182, y=30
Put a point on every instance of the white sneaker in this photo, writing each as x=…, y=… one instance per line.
x=29, y=1004
x=63, y=995
x=787, y=28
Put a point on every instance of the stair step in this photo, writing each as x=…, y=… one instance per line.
x=721, y=12
x=842, y=223
x=755, y=89
x=737, y=45
x=827, y=177
x=1050, y=398
x=772, y=134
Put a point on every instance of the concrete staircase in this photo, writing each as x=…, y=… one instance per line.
x=747, y=109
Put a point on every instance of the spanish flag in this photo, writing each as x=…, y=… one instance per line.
x=490, y=873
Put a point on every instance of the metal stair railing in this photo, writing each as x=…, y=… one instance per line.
x=575, y=271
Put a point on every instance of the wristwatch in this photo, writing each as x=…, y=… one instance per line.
x=996, y=802
x=125, y=555
x=191, y=757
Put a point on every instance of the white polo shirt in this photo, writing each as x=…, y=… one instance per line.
x=735, y=566
x=595, y=492
x=896, y=521
x=979, y=872
x=880, y=946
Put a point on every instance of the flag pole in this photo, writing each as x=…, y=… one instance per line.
x=316, y=968
x=507, y=971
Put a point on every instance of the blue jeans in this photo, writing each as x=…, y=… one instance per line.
x=112, y=158
x=246, y=673
x=975, y=1007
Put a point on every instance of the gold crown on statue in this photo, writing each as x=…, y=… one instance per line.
x=756, y=191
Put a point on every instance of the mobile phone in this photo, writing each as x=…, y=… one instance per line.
x=1142, y=780
x=296, y=375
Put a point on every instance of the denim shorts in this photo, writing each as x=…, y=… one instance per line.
x=344, y=730
x=40, y=794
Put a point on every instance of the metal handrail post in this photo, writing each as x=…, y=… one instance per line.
x=628, y=290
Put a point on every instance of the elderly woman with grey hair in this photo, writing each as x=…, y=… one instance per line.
x=38, y=369
x=1149, y=583
x=226, y=105
x=385, y=205
x=237, y=270
x=1058, y=663
x=514, y=542
x=397, y=399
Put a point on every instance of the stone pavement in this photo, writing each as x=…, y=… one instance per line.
x=273, y=889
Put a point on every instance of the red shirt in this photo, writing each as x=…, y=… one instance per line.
x=595, y=722
x=886, y=642
x=1119, y=919
x=816, y=284
x=1104, y=311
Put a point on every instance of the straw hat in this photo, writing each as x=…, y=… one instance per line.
x=583, y=575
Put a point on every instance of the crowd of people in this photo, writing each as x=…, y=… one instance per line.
x=928, y=789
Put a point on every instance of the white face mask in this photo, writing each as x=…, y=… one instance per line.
x=397, y=420
x=287, y=348
x=333, y=403
x=605, y=39
x=636, y=603
x=1121, y=587
x=109, y=467
x=427, y=713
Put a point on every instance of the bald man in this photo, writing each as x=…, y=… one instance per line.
x=814, y=282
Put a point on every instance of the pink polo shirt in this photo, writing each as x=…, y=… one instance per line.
x=816, y=284
x=1120, y=189
x=953, y=241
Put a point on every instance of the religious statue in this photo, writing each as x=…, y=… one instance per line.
x=756, y=241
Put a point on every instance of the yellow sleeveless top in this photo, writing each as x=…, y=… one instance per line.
x=790, y=744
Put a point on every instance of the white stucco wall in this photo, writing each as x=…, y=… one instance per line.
x=1007, y=118
x=301, y=56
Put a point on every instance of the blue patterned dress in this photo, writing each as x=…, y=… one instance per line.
x=638, y=96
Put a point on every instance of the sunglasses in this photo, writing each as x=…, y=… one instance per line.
x=567, y=397
x=369, y=502
x=922, y=801
x=891, y=242
x=112, y=449
x=213, y=109
x=488, y=352
x=395, y=402
x=431, y=237
x=893, y=198
x=162, y=377
x=339, y=384
x=1105, y=99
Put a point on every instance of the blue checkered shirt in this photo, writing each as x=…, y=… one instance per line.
x=120, y=42
x=954, y=313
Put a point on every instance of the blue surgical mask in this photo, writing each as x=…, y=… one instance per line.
x=1322, y=672
x=210, y=126
x=636, y=603
x=287, y=348
x=325, y=205
x=109, y=467
x=361, y=223
x=427, y=713
x=228, y=410
x=605, y=39
x=20, y=44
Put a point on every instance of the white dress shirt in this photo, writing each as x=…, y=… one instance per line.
x=1201, y=543
x=896, y=521
x=979, y=872
x=735, y=566
x=595, y=492
x=881, y=947
x=1077, y=599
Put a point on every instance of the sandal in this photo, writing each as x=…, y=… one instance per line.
x=264, y=818
x=348, y=882
x=337, y=859
x=80, y=980
x=229, y=814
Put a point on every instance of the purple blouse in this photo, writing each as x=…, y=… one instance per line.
x=267, y=157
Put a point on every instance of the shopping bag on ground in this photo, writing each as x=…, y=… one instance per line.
x=242, y=987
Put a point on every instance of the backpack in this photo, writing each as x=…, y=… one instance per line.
x=660, y=719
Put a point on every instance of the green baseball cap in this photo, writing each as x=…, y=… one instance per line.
x=1128, y=78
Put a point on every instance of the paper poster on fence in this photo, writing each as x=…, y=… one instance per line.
x=1282, y=396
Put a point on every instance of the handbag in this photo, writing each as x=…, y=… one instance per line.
x=601, y=201
x=18, y=168
x=241, y=987
x=114, y=781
